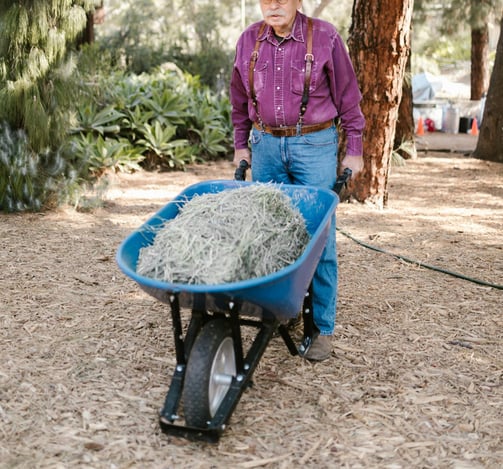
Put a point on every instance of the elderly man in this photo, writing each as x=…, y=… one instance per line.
x=292, y=80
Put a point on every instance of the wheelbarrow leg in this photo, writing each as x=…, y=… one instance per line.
x=168, y=412
x=177, y=330
x=236, y=335
x=310, y=329
x=287, y=338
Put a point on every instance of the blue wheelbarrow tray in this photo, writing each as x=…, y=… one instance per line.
x=279, y=294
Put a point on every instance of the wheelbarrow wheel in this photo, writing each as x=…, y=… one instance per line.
x=210, y=369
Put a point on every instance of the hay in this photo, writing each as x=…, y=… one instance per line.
x=229, y=236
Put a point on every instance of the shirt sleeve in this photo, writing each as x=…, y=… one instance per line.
x=239, y=101
x=347, y=98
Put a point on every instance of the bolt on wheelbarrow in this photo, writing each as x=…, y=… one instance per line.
x=214, y=362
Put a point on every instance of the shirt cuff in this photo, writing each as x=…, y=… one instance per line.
x=354, y=145
x=241, y=138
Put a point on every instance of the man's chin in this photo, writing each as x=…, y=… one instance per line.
x=275, y=21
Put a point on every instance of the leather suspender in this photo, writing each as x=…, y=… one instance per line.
x=251, y=70
x=309, y=59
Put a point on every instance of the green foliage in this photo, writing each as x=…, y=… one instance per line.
x=166, y=106
x=212, y=64
x=209, y=121
x=168, y=119
x=103, y=121
x=211, y=140
x=92, y=155
x=456, y=14
x=37, y=92
x=475, y=13
x=405, y=151
x=161, y=146
x=28, y=181
x=441, y=35
x=445, y=50
x=143, y=35
x=137, y=38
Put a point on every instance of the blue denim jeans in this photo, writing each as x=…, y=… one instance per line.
x=309, y=159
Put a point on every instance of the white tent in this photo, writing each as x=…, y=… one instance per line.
x=424, y=87
x=428, y=87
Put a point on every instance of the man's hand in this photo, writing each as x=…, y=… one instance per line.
x=242, y=154
x=354, y=163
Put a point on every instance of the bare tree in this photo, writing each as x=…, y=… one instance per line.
x=379, y=45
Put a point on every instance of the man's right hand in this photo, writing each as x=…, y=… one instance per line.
x=242, y=154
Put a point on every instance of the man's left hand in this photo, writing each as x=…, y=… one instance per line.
x=354, y=163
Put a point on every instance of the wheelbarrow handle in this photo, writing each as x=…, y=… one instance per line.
x=240, y=173
x=342, y=181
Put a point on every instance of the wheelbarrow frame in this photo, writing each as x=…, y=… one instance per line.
x=246, y=362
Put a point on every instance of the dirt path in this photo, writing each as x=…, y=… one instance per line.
x=416, y=374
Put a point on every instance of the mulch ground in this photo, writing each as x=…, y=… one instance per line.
x=415, y=377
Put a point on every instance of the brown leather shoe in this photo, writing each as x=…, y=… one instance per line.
x=320, y=349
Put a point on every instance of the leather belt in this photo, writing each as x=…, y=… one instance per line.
x=291, y=131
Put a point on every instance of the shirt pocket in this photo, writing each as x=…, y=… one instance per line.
x=298, y=76
x=259, y=77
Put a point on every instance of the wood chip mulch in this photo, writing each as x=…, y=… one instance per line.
x=415, y=377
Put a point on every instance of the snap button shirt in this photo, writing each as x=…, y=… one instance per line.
x=279, y=82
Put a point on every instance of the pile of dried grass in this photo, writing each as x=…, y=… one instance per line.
x=225, y=237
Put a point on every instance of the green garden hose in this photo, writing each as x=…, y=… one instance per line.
x=421, y=264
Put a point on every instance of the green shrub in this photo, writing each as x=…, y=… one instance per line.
x=161, y=146
x=164, y=119
x=28, y=181
x=92, y=155
x=122, y=122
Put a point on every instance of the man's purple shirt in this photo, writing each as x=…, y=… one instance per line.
x=333, y=90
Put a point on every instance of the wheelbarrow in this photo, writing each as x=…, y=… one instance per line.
x=214, y=364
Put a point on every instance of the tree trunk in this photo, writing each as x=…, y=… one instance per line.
x=379, y=45
x=87, y=36
x=479, y=62
x=405, y=135
x=490, y=141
